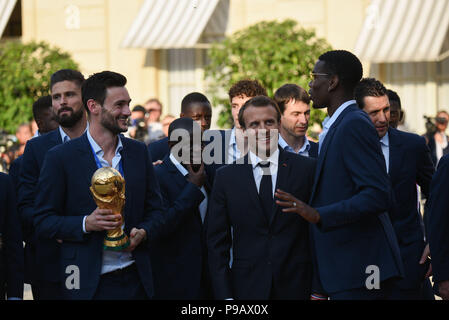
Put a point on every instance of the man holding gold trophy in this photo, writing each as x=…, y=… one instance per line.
x=83, y=202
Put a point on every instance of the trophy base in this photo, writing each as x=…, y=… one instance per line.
x=116, y=244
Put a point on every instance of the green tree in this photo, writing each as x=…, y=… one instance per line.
x=25, y=71
x=272, y=52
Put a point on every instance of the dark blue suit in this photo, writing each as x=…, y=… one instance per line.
x=11, y=248
x=271, y=257
x=352, y=194
x=409, y=164
x=313, y=151
x=179, y=260
x=14, y=171
x=159, y=149
x=45, y=273
x=438, y=221
x=64, y=198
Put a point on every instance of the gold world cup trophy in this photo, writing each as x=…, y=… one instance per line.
x=108, y=190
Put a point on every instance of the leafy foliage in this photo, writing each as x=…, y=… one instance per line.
x=25, y=71
x=275, y=53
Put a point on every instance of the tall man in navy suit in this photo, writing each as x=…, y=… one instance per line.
x=408, y=163
x=195, y=106
x=294, y=103
x=354, y=244
x=41, y=256
x=179, y=260
x=11, y=247
x=271, y=254
x=66, y=210
x=438, y=226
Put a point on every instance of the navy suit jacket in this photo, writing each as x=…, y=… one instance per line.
x=313, y=152
x=159, y=149
x=266, y=253
x=352, y=195
x=438, y=221
x=45, y=251
x=180, y=259
x=11, y=248
x=410, y=163
x=64, y=199
x=14, y=171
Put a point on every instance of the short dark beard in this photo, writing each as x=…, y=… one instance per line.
x=69, y=121
x=110, y=123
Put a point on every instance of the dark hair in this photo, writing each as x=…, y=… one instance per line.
x=181, y=123
x=139, y=108
x=191, y=98
x=345, y=65
x=368, y=87
x=258, y=101
x=393, y=96
x=288, y=92
x=96, y=85
x=40, y=106
x=249, y=88
x=67, y=75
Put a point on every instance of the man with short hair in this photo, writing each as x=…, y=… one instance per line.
x=270, y=246
x=41, y=256
x=396, y=112
x=352, y=234
x=294, y=103
x=66, y=210
x=196, y=106
x=44, y=116
x=153, y=108
x=408, y=162
x=185, y=192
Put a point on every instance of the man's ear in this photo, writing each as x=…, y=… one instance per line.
x=333, y=83
x=93, y=106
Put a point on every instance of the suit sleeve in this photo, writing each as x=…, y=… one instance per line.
x=50, y=220
x=13, y=246
x=28, y=179
x=425, y=168
x=364, y=162
x=438, y=222
x=219, y=241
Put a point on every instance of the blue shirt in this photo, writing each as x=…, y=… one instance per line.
x=328, y=122
x=304, y=151
x=112, y=260
x=385, y=144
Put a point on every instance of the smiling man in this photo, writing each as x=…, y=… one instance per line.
x=408, y=163
x=67, y=212
x=270, y=248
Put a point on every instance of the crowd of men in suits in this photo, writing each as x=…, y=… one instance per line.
x=257, y=212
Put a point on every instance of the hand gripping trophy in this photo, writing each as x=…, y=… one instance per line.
x=108, y=190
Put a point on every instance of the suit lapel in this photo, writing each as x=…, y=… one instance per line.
x=325, y=146
x=86, y=157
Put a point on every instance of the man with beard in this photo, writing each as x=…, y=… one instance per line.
x=270, y=246
x=293, y=101
x=65, y=86
x=66, y=210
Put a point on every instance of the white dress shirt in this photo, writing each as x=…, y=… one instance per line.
x=112, y=260
x=233, y=151
x=304, y=151
x=203, y=205
x=328, y=122
x=258, y=172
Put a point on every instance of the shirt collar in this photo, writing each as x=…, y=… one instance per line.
x=274, y=158
x=178, y=165
x=284, y=145
x=65, y=137
x=97, y=149
x=329, y=121
x=385, y=140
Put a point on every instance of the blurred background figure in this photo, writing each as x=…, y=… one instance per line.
x=396, y=112
x=138, y=128
x=166, y=121
x=436, y=135
x=154, y=111
x=44, y=117
x=23, y=134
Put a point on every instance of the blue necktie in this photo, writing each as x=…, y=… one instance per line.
x=266, y=190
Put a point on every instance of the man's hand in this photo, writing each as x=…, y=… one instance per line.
x=292, y=204
x=136, y=236
x=425, y=255
x=443, y=287
x=198, y=178
x=158, y=162
x=103, y=219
